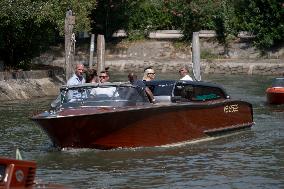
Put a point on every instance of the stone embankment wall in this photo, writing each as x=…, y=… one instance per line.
x=166, y=56
x=239, y=57
x=271, y=67
x=29, y=84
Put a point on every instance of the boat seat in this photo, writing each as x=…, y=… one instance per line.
x=163, y=98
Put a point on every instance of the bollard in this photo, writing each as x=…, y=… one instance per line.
x=196, y=56
x=100, y=53
x=92, y=47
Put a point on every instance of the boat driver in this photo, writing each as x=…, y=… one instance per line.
x=104, y=91
x=133, y=80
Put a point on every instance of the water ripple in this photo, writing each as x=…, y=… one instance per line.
x=253, y=158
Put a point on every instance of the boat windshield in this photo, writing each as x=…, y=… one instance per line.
x=278, y=82
x=186, y=91
x=102, y=95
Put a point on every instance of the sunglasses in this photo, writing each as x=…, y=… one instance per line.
x=102, y=76
x=151, y=73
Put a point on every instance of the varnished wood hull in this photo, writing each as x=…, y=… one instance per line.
x=148, y=126
x=275, y=95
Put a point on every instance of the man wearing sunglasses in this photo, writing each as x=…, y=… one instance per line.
x=103, y=77
x=104, y=91
x=149, y=74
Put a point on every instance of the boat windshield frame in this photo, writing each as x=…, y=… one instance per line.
x=107, y=94
x=185, y=91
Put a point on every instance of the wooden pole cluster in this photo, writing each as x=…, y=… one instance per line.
x=196, y=56
x=69, y=44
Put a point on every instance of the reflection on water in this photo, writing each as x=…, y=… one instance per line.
x=250, y=159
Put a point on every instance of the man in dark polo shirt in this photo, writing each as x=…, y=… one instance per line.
x=134, y=81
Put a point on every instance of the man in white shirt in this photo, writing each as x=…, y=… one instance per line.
x=183, y=72
x=77, y=77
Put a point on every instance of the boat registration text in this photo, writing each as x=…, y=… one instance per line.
x=231, y=108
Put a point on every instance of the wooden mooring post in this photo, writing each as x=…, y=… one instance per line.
x=69, y=44
x=196, y=56
x=100, y=53
x=92, y=48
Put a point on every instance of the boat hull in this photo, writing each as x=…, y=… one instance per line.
x=155, y=125
x=275, y=95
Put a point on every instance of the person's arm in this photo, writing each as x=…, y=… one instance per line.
x=150, y=95
x=55, y=103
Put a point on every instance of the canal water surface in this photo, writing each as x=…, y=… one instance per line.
x=252, y=158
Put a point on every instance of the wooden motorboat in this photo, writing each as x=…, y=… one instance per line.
x=20, y=174
x=124, y=117
x=275, y=93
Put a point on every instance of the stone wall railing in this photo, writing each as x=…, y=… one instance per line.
x=177, y=34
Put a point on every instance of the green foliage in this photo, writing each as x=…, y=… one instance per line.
x=109, y=16
x=198, y=15
x=264, y=19
x=225, y=21
x=24, y=65
x=27, y=26
x=147, y=15
x=136, y=35
x=137, y=17
x=203, y=13
x=218, y=15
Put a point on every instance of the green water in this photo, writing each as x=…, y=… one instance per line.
x=251, y=159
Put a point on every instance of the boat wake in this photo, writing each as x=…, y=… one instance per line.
x=202, y=140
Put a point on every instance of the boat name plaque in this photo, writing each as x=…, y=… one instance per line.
x=231, y=108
